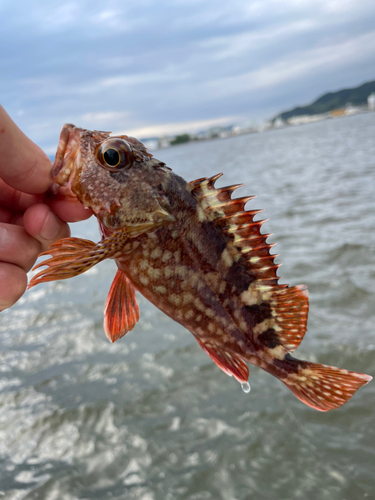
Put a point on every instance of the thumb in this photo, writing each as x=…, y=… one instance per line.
x=23, y=165
x=44, y=225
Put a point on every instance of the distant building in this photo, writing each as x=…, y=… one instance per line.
x=150, y=143
x=279, y=122
x=371, y=101
x=202, y=135
x=163, y=142
x=302, y=119
x=217, y=132
x=335, y=113
x=352, y=110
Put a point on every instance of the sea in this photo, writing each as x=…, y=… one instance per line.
x=151, y=417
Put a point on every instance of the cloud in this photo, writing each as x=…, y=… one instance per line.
x=244, y=43
x=169, y=74
x=177, y=127
x=295, y=65
x=146, y=64
x=107, y=118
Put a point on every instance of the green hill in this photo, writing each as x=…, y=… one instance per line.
x=333, y=100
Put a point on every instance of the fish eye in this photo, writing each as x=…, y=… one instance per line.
x=115, y=154
x=111, y=157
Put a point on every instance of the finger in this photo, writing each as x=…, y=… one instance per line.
x=5, y=215
x=23, y=165
x=17, y=200
x=69, y=211
x=13, y=281
x=18, y=247
x=42, y=224
x=10, y=217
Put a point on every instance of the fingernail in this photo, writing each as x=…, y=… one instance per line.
x=3, y=236
x=50, y=228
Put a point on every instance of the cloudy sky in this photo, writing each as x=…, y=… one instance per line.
x=148, y=67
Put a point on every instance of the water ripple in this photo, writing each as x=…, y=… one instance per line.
x=151, y=417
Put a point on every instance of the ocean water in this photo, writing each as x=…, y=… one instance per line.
x=151, y=417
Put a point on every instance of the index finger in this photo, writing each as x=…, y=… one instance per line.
x=15, y=200
x=23, y=165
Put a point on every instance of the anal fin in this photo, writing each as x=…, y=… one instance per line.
x=121, y=312
x=231, y=364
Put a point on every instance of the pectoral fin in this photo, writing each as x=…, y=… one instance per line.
x=121, y=312
x=73, y=256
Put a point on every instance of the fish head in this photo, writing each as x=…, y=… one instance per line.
x=114, y=176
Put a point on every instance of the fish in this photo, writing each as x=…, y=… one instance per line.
x=196, y=253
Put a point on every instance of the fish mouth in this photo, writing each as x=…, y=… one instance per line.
x=67, y=151
x=67, y=159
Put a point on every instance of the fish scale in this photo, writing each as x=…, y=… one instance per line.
x=197, y=254
x=183, y=278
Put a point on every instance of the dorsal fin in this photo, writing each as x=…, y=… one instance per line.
x=247, y=246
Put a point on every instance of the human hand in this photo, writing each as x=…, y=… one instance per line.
x=29, y=221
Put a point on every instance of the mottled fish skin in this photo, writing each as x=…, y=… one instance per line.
x=185, y=269
x=198, y=255
x=180, y=268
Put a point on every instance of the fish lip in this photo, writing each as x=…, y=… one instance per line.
x=68, y=153
x=67, y=150
x=61, y=148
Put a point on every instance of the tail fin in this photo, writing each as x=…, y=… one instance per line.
x=324, y=387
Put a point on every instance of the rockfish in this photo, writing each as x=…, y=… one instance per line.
x=196, y=254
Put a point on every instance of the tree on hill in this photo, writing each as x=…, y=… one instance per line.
x=180, y=139
x=333, y=100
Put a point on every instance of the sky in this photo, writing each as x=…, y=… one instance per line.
x=148, y=68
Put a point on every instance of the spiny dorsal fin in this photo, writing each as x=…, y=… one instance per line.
x=248, y=247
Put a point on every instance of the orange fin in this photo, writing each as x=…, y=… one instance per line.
x=324, y=387
x=286, y=321
x=246, y=243
x=292, y=309
x=231, y=364
x=73, y=256
x=121, y=312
